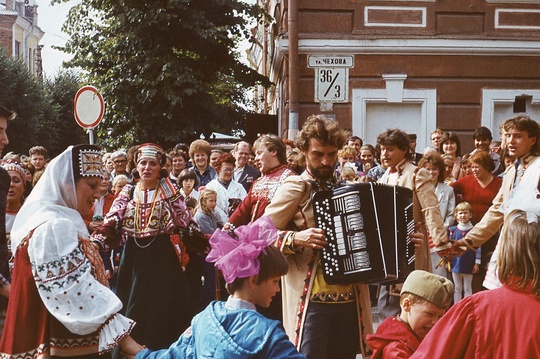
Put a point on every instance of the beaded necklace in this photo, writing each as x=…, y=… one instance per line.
x=138, y=220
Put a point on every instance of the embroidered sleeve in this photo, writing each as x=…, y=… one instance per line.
x=118, y=208
x=67, y=287
x=286, y=202
x=109, y=234
x=285, y=242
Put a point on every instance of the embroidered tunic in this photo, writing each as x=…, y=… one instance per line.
x=260, y=194
x=67, y=311
x=58, y=303
x=151, y=281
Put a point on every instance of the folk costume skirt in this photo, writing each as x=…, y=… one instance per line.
x=154, y=291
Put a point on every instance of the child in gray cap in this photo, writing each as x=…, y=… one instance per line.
x=425, y=297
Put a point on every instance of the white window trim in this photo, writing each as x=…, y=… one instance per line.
x=426, y=97
x=522, y=27
x=513, y=1
x=423, y=10
x=490, y=98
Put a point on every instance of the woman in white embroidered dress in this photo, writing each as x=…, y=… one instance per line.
x=60, y=304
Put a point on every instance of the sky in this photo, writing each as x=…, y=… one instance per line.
x=50, y=20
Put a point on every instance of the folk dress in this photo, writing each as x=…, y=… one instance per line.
x=151, y=281
x=58, y=304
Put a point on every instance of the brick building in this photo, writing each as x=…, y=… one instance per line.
x=416, y=65
x=20, y=33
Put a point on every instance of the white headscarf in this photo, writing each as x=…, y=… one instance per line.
x=53, y=197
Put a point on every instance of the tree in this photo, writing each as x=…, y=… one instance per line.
x=168, y=69
x=23, y=93
x=61, y=91
x=44, y=108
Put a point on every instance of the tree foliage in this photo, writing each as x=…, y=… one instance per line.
x=168, y=69
x=44, y=109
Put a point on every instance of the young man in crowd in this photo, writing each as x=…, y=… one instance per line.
x=436, y=137
x=38, y=157
x=482, y=140
x=521, y=135
x=396, y=157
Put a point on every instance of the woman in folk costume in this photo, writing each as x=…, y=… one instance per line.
x=60, y=304
x=151, y=282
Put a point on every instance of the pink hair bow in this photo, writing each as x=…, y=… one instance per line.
x=237, y=257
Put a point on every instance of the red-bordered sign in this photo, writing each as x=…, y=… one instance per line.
x=88, y=107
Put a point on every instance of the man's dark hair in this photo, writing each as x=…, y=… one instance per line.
x=395, y=137
x=482, y=132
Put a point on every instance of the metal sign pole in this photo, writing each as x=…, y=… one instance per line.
x=91, y=136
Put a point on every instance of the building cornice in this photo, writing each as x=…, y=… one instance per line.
x=414, y=47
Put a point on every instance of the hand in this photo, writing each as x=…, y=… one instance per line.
x=460, y=247
x=476, y=268
x=417, y=237
x=447, y=254
x=95, y=225
x=130, y=347
x=311, y=237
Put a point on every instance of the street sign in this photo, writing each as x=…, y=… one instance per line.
x=315, y=61
x=88, y=107
x=332, y=84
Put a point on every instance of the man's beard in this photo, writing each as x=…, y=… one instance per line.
x=322, y=173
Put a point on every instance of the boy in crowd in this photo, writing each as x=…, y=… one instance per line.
x=252, y=268
x=425, y=297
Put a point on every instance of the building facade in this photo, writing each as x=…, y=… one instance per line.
x=20, y=33
x=415, y=65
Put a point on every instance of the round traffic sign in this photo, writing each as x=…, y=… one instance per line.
x=89, y=107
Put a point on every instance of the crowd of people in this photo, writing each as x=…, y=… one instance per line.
x=153, y=253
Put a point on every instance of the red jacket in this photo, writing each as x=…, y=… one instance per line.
x=393, y=339
x=499, y=323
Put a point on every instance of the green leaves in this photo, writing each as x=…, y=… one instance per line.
x=44, y=109
x=168, y=70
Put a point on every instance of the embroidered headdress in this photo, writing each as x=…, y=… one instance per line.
x=150, y=151
x=237, y=257
x=14, y=165
x=87, y=161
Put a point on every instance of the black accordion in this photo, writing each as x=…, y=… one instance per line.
x=367, y=227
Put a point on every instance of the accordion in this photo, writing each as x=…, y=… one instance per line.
x=367, y=227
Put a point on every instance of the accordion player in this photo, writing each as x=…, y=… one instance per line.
x=368, y=228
